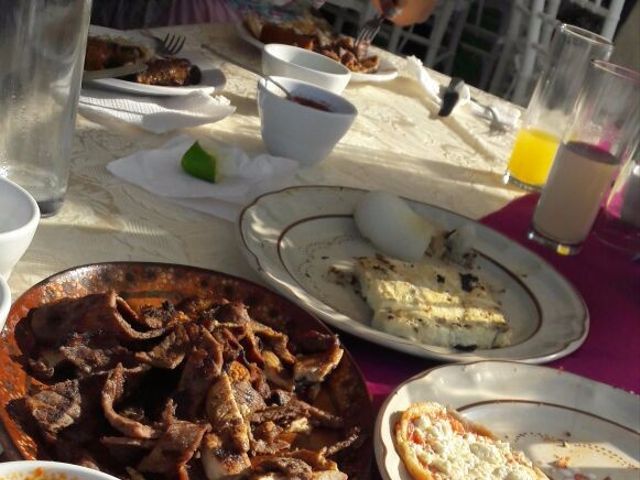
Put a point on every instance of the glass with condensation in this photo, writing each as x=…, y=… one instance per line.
x=603, y=135
x=552, y=104
x=42, y=46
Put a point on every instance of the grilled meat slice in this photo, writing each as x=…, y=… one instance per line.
x=169, y=72
x=164, y=317
x=99, y=314
x=315, y=367
x=91, y=353
x=287, y=466
x=295, y=409
x=276, y=340
x=112, y=392
x=56, y=408
x=233, y=312
x=174, y=449
x=170, y=352
x=203, y=366
x=275, y=371
x=220, y=464
x=225, y=416
x=102, y=53
x=247, y=398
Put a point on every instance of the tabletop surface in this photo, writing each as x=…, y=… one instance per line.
x=395, y=144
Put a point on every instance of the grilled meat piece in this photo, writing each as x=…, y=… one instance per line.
x=169, y=72
x=164, y=317
x=56, y=408
x=174, y=449
x=99, y=314
x=295, y=409
x=102, y=53
x=220, y=464
x=113, y=391
x=225, y=416
x=170, y=352
x=315, y=367
x=203, y=366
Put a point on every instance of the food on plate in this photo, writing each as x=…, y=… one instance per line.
x=392, y=226
x=169, y=72
x=313, y=34
x=433, y=302
x=437, y=443
x=196, y=389
x=103, y=53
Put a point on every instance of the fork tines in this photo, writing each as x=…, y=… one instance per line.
x=172, y=44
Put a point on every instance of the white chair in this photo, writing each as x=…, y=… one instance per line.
x=438, y=52
x=483, y=36
x=355, y=12
x=609, y=13
x=525, y=48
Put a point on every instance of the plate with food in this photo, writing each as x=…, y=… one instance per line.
x=110, y=50
x=314, y=34
x=160, y=371
x=411, y=276
x=507, y=420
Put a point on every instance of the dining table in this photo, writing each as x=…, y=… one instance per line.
x=397, y=143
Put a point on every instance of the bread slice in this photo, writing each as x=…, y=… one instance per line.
x=433, y=302
x=437, y=443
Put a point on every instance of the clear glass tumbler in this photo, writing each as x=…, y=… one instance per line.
x=603, y=134
x=552, y=104
x=42, y=45
x=619, y=224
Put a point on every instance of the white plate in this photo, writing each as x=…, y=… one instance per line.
x=213, y=78
x=546, y=413
x=385, y=73
x=292, y=237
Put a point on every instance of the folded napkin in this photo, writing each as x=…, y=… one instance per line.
x=155, y=114
x=159, y=171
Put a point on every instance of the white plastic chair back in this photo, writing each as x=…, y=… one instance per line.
x=610, y=14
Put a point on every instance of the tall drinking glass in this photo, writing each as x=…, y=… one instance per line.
x=552, y=104
x=603, y=135
x=42, y=44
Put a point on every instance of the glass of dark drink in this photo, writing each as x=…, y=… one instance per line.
x=604, y=133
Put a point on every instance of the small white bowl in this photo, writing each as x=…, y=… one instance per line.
x=301, y=64
x=19, y=217
x=299, y=132
x=26, y=470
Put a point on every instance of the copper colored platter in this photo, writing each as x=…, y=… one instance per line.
x=150, y=284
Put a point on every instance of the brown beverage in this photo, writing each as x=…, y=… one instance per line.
x=579, y=178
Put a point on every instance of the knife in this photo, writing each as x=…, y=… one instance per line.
x=122, y=71
x=450, y=96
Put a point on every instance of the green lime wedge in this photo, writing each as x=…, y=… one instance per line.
x=198, y=162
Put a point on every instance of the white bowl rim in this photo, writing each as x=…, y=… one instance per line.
x=304, y=51
x=5, y=301
x=55, y=467
x=262, y=86
x=35, y=211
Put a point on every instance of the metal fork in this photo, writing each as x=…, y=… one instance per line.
x=371, y=27
x=168, y=46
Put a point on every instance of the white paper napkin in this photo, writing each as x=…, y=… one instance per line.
x=155, y=114
x=159, y=172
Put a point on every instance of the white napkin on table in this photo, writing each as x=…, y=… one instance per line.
x=155, y=114
x=159, y=171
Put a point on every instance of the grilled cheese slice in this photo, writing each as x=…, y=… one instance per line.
x=432, y=302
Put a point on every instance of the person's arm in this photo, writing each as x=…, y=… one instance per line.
x=411, y=11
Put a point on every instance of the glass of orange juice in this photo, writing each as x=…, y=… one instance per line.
x=552, y=104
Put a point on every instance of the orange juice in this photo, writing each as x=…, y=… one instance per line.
x=532, y=156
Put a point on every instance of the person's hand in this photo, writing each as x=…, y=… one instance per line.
x=412, y=11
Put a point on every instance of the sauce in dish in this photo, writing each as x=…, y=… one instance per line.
x=307, y=102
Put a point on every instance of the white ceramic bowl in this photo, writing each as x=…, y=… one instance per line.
x=25, y=470
x=295, y=62
x=19, y=217
x=296, y=131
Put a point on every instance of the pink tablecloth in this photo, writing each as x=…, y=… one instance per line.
x=606, y=278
